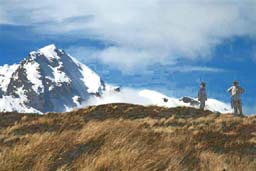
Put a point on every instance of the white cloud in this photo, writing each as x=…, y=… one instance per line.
x=141, y=32
x=121, y=57
x=3, y=16
x=107, y=56
x=197, y=68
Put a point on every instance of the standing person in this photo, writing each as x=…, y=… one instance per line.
x=202, y=95
x=235, y=92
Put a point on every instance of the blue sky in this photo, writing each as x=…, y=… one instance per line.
x=163, y=45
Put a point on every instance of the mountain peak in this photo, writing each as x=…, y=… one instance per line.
x=49, y=51
x=50, y=47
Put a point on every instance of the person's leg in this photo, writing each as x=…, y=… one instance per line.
x=202, y=104
x=235, y=110
x=235, y=107
x=240, y=108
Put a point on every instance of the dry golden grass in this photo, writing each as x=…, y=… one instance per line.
x=124, y=137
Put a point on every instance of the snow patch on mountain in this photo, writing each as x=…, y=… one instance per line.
x=157, y=98
x=77, y=100
x=49, y=52
x=34, y=76
x=218, y=106
x=90, y=78
x=58, y=75
x=11, y=104
x=126, y=95
x=6, y=73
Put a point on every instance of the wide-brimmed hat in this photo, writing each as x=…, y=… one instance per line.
x=235, y=82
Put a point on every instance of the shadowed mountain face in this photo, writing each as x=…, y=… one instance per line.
x=51, y=80
x=128, y=137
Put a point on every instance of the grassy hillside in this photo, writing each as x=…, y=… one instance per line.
x=129, y=138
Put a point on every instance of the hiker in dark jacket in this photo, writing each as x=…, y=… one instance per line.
x=235, y=92
x=202, y=95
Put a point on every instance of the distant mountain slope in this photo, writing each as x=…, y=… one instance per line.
x=128, y=137
x=47, y=80
x=50, y=80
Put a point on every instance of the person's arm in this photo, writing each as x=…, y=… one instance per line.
x=241, y=90
x=229, y=90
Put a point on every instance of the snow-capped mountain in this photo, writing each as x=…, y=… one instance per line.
x=47, y=80
x=50, y=80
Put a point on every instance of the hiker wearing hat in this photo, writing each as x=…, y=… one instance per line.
x=235, y=92
x=202, y=95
